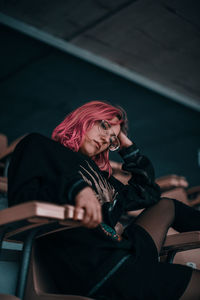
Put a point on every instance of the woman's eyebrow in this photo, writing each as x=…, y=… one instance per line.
x=113, y=134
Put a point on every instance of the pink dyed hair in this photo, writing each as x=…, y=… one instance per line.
x=70, y=132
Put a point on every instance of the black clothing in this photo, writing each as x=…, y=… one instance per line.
x=142, y=276
x=186, y=218
x=45, y=170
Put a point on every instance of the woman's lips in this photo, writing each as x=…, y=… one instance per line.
x=97, y=144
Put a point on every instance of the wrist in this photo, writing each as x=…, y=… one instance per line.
x=126, y=144
x=86, y=190
x=129, y=153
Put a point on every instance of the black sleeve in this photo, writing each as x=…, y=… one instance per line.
x=141, y=191
x=43, y=170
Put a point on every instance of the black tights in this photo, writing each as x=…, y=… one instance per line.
x=157, y=219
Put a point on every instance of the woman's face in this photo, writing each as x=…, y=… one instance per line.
x=95, y=141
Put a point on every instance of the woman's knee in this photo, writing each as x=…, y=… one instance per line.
x=168, y=203
x=167, y=206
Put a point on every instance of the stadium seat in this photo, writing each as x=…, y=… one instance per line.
x=28, y=221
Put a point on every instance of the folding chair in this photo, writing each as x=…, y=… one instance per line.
x=25, y=222
x=40, y=285
x=6, y=152
x=8, y=297
x=3, y=184
x=6, y=149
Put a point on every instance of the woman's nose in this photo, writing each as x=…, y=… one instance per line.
x=105, y=138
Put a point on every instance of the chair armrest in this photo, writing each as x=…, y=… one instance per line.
x=194, y=189
x=27, y=221
x=168, y=182
x=3, y=143
x=178, y=193
x=7, y=150
x=3, y=184
x=181, y=242
x=31, y=211
x=35, y=211
x=8, y=297
x=21, y=218
x=193, y=194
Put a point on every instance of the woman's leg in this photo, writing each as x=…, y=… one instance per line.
x=192, y=291
x=186, y=217
x=157, y=219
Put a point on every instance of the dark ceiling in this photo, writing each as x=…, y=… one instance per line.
x=153, y=43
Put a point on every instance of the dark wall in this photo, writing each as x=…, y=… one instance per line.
x=39, y=85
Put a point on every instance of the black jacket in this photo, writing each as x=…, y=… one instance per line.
x=42, y=169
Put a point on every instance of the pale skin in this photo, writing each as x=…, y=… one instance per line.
x=93, y=144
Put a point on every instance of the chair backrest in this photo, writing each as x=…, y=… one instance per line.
x=5, y=149
x=3, y=184
x=40, y=284
x=39, y=280
x=3, y=143
x=178, y=193
x=8, y=297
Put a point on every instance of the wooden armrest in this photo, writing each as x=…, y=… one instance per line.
x=3, y=184
x=3, y=143
x=194, y=195
x=8, y=297
x=171, y=181
x=178, y=193
x=4, y=179
x=7, y=150
x=25, y=216
x=2, y=165
x=33, y=211
x=181, y=242
x=20, y=218
x=194, y=189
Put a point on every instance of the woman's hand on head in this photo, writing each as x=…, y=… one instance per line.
x=124, y=140
x=87, y=200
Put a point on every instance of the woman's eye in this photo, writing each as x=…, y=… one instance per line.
x=103, y=125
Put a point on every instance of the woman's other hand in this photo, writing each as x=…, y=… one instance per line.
x=87, y=200
x=124, y=140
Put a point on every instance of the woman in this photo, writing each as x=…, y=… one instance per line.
x=93, y=260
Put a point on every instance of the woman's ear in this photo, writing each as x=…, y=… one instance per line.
x=124, y=128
